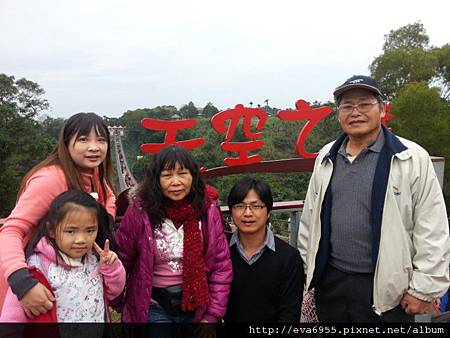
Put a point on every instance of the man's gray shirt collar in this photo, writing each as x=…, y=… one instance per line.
x=375, y=146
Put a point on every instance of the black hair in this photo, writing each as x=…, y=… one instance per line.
x=241, y=188
x=153, y=200
x=82, y=124
x=60, y=208
x=79, y=124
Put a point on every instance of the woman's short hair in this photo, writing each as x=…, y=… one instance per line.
x=241, y=188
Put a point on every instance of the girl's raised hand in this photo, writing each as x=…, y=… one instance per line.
x=106, y=256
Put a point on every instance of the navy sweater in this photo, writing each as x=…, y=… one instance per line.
x=268, y=291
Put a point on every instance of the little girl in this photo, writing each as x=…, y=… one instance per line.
x=60, y=256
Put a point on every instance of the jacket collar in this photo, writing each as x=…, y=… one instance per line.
x=392, y=142
x=89, y=176
x=45, y=248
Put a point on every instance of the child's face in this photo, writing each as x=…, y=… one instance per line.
x=76, y=234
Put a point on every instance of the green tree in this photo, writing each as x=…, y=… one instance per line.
x=210, y=110
x=443, y=56
x=271, y=111
x=52, y=126
x=189, y=111
x=410, y=36
x=111, y=121
x=406, y=58
x=406, y=70
x=398, y=67
x=135, y=134
x=23, y=141
x=421, y=115
x=23, y=95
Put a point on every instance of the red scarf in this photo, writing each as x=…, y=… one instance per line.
x=195, y=285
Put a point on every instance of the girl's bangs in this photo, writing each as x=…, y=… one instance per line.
x=83, y=126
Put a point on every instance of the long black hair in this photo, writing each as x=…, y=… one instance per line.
x=77, y=125
x=61, y=206
x=153, y=200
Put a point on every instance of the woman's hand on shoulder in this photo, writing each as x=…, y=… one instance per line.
x=106, y=256
x=38, y=300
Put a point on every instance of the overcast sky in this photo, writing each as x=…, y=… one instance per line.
x=113, y=56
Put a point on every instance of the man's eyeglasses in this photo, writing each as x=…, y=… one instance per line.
x=253, y=207
x=363, y=107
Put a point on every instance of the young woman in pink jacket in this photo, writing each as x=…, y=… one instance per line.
x=81, y=161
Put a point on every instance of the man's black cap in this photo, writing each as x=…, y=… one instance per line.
x=358, y=81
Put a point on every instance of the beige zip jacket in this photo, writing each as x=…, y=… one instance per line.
x=414, y=248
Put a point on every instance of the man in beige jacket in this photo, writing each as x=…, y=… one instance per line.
x=374, y=231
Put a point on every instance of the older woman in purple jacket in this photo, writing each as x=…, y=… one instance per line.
x=172, y=244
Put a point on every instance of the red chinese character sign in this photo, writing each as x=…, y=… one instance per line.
x=387, y=116
x=171, y=128
x=305, y=112
x=218, y=122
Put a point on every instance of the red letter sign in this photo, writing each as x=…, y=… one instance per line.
x=304, y=112
x=234, y=115
x=171, y=128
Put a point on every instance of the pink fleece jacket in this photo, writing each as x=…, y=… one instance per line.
x=40, y=190
x=113, y=276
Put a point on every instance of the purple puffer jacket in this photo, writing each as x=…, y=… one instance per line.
x=136, y=246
